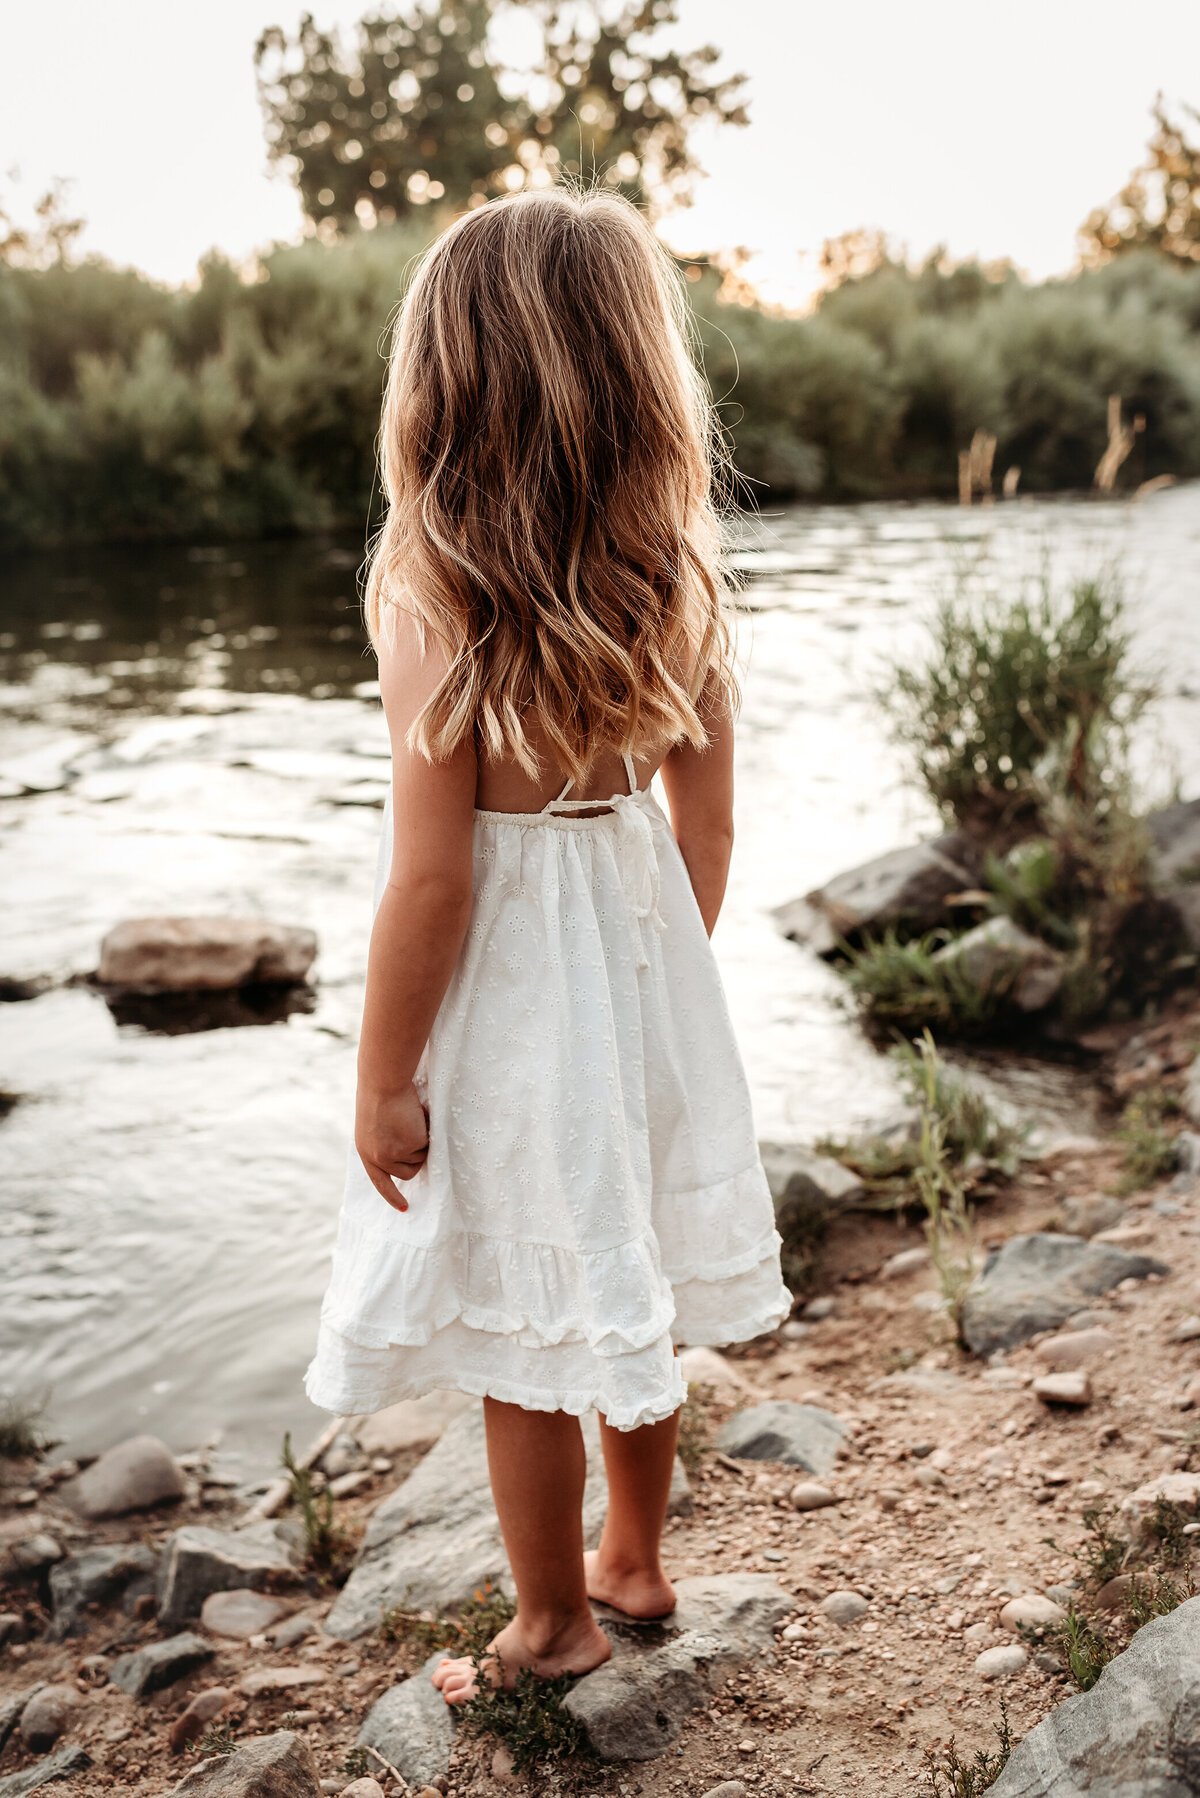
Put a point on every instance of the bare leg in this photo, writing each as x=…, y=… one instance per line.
x=626, y=1570
x=537, y=1467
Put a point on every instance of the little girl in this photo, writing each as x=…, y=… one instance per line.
x=556, y=1176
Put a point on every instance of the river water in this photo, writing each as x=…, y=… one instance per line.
x=195, y=731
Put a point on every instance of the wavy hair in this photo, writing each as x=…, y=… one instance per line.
x=548, y=452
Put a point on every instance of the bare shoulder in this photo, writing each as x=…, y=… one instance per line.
x=411, y=665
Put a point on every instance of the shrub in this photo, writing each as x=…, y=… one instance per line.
x=1147, y=1146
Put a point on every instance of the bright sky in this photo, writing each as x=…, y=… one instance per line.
x=993, y=129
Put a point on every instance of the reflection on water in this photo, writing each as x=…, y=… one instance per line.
x=179, y=734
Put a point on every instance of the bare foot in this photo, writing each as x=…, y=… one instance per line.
x=578, y=1648
x=639, y=1593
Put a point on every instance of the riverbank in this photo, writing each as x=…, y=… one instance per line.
x=951, y=1473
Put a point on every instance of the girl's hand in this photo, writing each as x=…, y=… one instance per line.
x=391, y=1134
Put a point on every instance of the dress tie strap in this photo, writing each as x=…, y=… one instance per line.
x=637, y=853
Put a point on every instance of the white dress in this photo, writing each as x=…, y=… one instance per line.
x=593, y=1193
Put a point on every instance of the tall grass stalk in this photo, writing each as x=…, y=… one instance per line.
x=948, y=1219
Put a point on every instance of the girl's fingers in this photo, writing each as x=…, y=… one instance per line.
x=385, y=1186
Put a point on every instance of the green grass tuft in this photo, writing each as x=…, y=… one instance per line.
x=468, y=1632
x=1085, y=1650
x=530, y=1720
x=21, y=1438
x=326, y=1547
x=1147, y=1146
x=898, y=981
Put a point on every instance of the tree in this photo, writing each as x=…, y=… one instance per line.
x=423, y=112
x=1159, y=207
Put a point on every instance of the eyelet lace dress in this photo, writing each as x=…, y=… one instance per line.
x=592, y=1194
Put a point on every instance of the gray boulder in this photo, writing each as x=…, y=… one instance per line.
x=11, y=1710
x=999, y=957
x=798, y=1435
x=906, y=886
x=97, y=1576
x=1175, y=836
x=413, y=1727
x=633, y=1707
x=170, y=955
x=64, y=1764
x=1087, y=1213
x=435, y=1538
x=197, y=1561
x=794, y=1172
x=133, y=1476
x=159, y=1664
x=1037, y=1282
x=1136, y=1734
x=275, y=1766
x=48, y=1715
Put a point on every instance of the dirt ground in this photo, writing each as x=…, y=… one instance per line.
x=955, y=1477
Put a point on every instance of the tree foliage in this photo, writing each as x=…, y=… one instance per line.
x=1159, y=206
x=421, y=111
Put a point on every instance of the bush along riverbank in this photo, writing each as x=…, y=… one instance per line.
x=959, y=1484
x=246, y=403
x=1052, y=906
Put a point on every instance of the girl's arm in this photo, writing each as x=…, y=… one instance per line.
x=699, y=788
x=420, y=924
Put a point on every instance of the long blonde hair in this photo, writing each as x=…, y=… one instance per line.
x=548, y=448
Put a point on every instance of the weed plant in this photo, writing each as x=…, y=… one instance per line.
x=947, y=1775
x=948, y=1220
x=1102, y=1554
x=218, y=1741
x=1165, y=1527
x=694, y=1433
x=899, y=981
x=326, y=1548
x=1147, y=1146
x=21, y=1437
x=1085, y=1650
x=1017, y=697
x=467, y=1633
x=529, y=1719
x=1157, y=1596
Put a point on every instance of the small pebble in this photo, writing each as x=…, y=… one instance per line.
x=363, y=1788
x=1031, y=1610
x=818, y=1309
x=1187, y=1331
x=1064, y=1389
x=906, y=1262
x=502, y=1763
x=844, y=1607
x=810, y=1495
x=794, y=1330
x=1000, y=1663
x=729, y=1788
x=47, y=1715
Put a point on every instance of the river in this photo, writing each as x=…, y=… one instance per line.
x=195, y=730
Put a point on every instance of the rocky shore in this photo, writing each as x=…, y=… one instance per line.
x=878, y=1535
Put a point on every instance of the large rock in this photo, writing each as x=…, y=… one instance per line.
x=413, y=1423
x=277, y=1766
x=12, y=1709
x=97, y=1576
x=794, y=1172
x=998, y=957
x=1136, y=1734
x=1175, y=835
x=171, y=955
x=435, y=1539
x=197, y=1561
x=798, y=1435
x=133, y=1476
x=240, y=1613
x=1180, y=1490
x=412, y=1726
x=62, y=1765
x=48, y=1715
x=634, y=1706
x=1036, y=1283
x=159, y=1664
x=906, y=887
